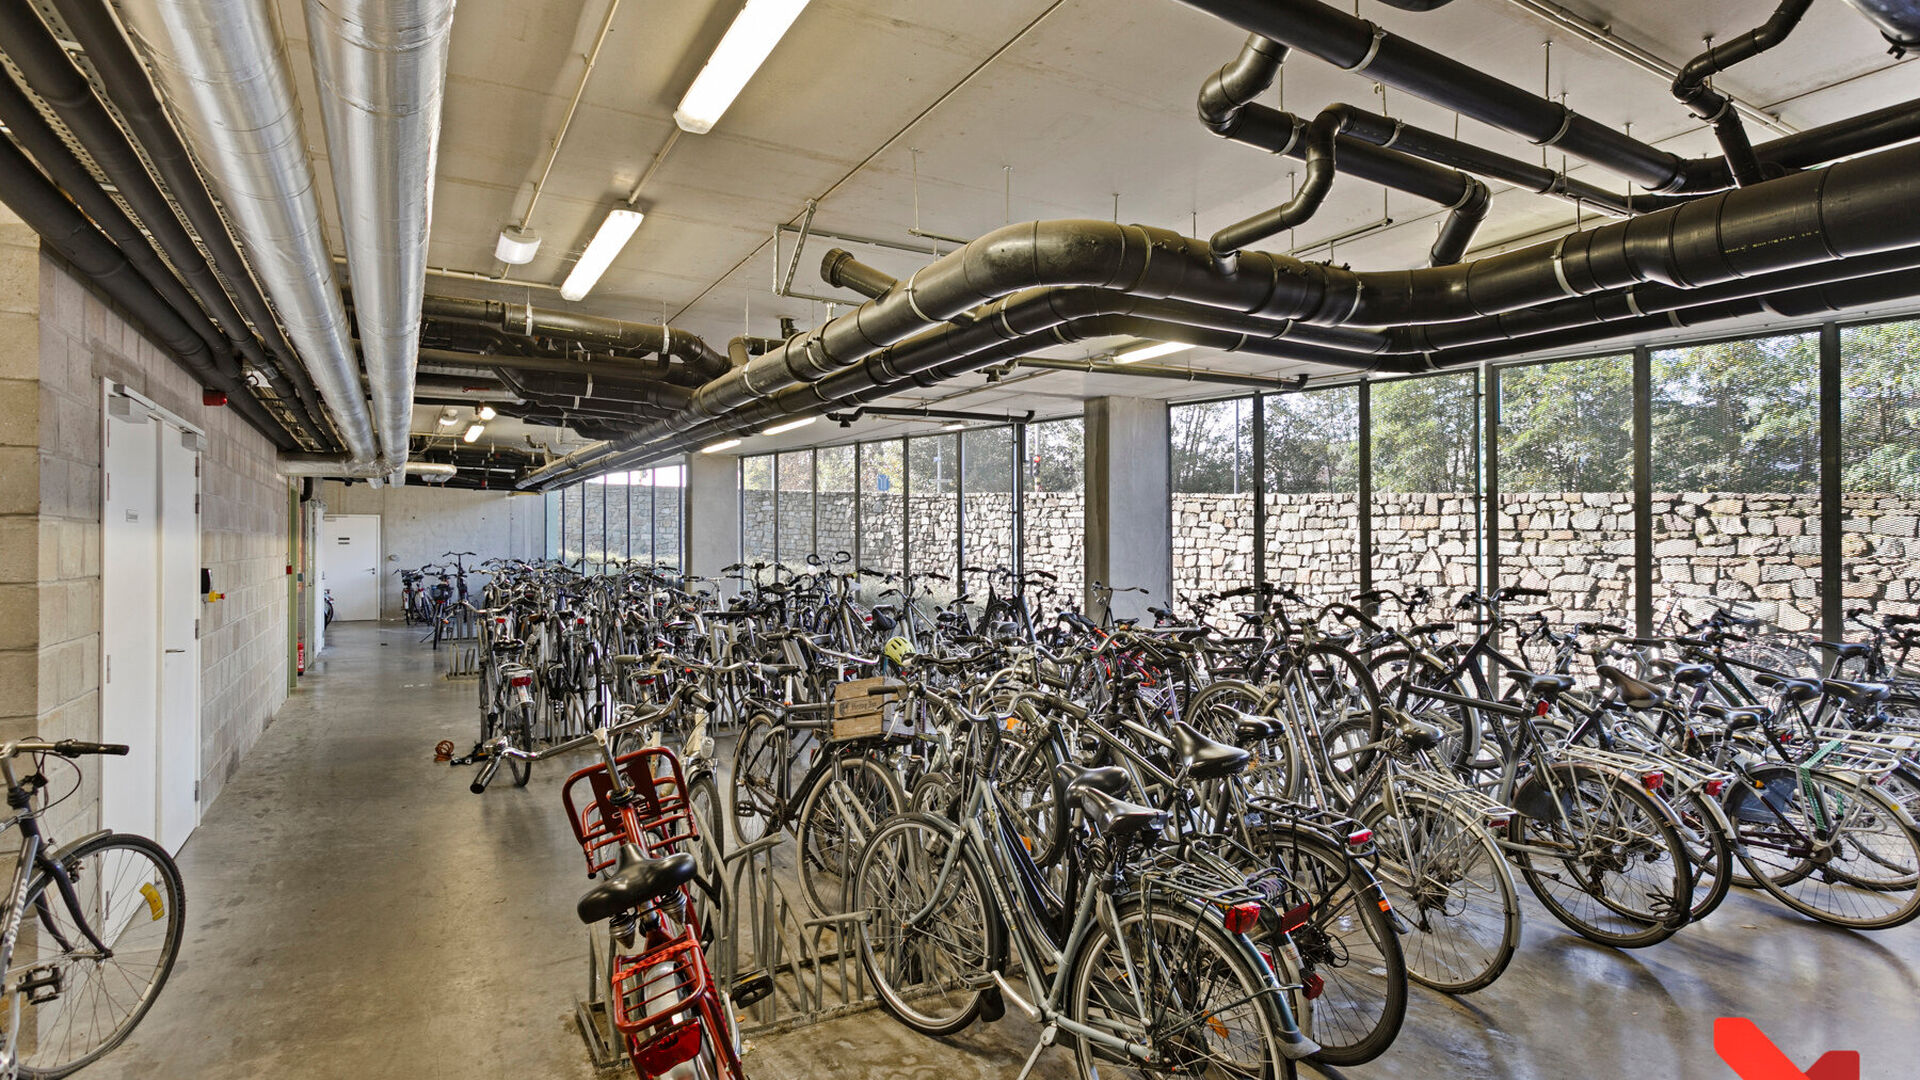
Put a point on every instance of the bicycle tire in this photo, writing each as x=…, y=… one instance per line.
x=1704, y=830
x=841, y=811
x=1623, y=920
x=1190, y=957
x=1448, y=879
x=759, y=759
x=520, y=737
x=1873, y=865
x=166, y=900
x=907, y=960
x=1460, y=747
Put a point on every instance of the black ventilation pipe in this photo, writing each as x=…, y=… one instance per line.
x=595, y=364
x=68, y=232
x=1897, y=20
x=1228, y=109
x=125, y=78
x=53, y=76
x=529, y=321
x=1692, y=89
x=659, y=397
x=1360, y=46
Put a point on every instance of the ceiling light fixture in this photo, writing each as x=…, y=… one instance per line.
x=448, y=417
x=473, y=432
x=723, y=444
x=485, y=412
x=755, y=31
x=606, y=244
x=791, y=425
x=957, y=425
x=1150, y=352
x=516, y=246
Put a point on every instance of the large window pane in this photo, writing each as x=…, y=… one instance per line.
x=618, y=542
x=1425, y=479
x=882, y=511
x=595, y=494
x=1880, y=459
x=1212, y=500
x=572, y=547
x=1053, y=530
x=1566, y=485
x=640, y=517
x=669, y=494
x=756, y=509
x=796, y=508
x=988, y=494
x=552, y=501
x=933, y=511
x=1736, y=492
x=1313, y=492
x=833, y=503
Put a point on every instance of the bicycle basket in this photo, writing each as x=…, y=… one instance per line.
x=657, y=1001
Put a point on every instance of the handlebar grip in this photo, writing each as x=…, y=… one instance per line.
x=486, y=776
x=75, y=747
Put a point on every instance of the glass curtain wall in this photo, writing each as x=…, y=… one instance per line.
x=619, y=542
x=572, y=543
x=668, y=486
x=1053, y=507
x=1566, y=485
x=933, y=510
x=833, y=509
x=794, y=492
x=882, y=510
x=1213, y=484
x=1736, y=481
x=640, y=517
x=758, y=517
x=1880, y=469
x=1313, y=492
x=986, y=456
x=1426, y=483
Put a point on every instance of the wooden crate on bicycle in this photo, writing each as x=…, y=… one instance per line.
x=865, y=708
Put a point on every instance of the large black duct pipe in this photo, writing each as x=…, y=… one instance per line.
x=1897, y=20
x=1362, y=47
x=125, y=78
x=587, y=389
x=53, y=76
x=529, y=321
x=1692, y=89
x=597, y=365
x=68, y=232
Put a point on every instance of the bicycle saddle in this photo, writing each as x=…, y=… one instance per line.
x=1419, y=735
x=1255, y=728
x=1544, y=687
x=634, y=881
x=1794, y=690
x=730, y=615
x=1736, y=718
x=1692, y=674
x=1428, y=628
x=1118, y=818
x=1845, y=650
x=1634, y=694
x=1204, y=758
x=1857, y=693
x=1110, y=779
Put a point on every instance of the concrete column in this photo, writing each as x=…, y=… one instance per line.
x=1129, y=540
x=712, y=519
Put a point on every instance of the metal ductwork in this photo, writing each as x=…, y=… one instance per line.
x=1897, y=20
x=381, y=66
x=1692, y=88
x=221, y=68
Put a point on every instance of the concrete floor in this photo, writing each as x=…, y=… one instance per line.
x=353, y=912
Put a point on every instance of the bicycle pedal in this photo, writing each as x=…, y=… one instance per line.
x=752, y=988
x=41, y=984
x=992, y=1005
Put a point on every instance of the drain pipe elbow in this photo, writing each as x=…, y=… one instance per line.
x=1238, y=82
x=1456, y=232
x=1321, y=134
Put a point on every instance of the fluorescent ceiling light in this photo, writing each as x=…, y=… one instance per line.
x=957, y=425
x=754, y=33
x=473, y=432
x=485, y=412
x=516, y=246
x=613, y=235
x=723, y=444
x=1150, y=352
x=791, y=425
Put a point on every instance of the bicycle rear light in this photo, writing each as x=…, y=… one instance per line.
x=1241, y=918
x=1295, y=918
x=1715, y=787
x=520, y=680
x=1359, y=837
x=1653, y=780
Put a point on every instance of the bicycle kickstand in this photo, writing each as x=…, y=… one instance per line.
x=1047, y=1035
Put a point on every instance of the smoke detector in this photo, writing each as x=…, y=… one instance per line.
x=516, y=246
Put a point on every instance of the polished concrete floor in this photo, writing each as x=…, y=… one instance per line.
x=354, y=913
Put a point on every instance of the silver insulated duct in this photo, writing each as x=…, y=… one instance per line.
x=222, y=69
x=381, y=66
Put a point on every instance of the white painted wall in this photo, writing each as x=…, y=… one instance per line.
x=418, y=524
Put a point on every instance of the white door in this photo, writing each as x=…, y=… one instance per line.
x=130, y=632
x=350, y=565
x=179, y=771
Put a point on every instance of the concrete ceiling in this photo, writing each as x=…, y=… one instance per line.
x=1007, y=110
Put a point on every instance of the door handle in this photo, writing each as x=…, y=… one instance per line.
x=176, y=650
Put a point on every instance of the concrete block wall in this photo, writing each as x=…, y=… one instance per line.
x=418, y=524
x=58, y=341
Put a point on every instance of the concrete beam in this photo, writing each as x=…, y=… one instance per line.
x=1129, y=538
x=712, y=520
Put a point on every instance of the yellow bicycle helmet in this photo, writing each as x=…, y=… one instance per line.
x=899, y=650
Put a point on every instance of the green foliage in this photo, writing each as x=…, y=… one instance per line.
x=1880, y=408
x=1212, y=446
x=1313, y=442
x=1738, y=416
x=1424, y=434
x=1568, y=426
x=1057, y=455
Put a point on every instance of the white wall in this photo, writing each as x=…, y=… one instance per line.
x=419, y=524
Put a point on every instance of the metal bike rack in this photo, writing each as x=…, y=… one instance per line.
x=814, y=964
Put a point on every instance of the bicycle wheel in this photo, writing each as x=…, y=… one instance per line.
x=1829, y=848
x=1166, y=976
x=761, y=777
x=1027, y=779
x=841, y=811
x=68, y=1003
x=1395, y=672
x=519, y=732
x=1614, y=870
x=1350, y=956
x=1275, y=768
x=1443, y=870
x=1704, y=830
x=930, y=972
